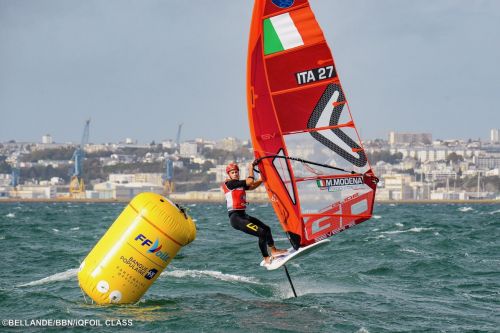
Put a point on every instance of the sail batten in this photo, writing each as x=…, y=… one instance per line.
x=349, y=124
x=310, y=155
x=335, y=215
x=309, y=86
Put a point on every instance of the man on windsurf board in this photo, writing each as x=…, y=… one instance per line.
x=235, y=192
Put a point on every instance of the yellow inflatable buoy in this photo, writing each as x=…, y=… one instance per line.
x=136, y=248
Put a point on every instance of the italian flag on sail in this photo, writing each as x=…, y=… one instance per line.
x=289, y=30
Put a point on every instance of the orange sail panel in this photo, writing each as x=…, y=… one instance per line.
x=311, y=158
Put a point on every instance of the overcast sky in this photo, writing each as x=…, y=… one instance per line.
x=138, y=68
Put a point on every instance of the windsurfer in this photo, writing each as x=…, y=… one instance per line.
x=235, y=193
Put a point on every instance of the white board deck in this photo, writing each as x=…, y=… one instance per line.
x=292, y=254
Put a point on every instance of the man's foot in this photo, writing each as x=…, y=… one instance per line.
x=268, y=260
x=276, y=252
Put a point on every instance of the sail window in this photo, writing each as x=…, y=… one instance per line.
x=281, y=166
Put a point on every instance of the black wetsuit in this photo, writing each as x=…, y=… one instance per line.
x=240, y=220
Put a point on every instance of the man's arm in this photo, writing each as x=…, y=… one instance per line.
x=251, y=182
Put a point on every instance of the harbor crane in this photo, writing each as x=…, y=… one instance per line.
x=178, y=138
x=77, y=185
x=15, y=174
x=168, y=176
x=14, y=182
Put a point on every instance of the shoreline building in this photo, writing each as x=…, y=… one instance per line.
x=127, y=186
x=47, y=139
x=494, y=135
x=409, y=138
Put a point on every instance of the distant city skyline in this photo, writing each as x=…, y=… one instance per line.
x=493, y=137
x=140, y=68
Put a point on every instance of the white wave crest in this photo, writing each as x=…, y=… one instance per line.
x=465, y=209
x=408, y=230
x=410, y=251
x=495, y=212
x=419, y=229
x=75, y=228
x=11, y=215
x=214, y=274
x=362, y=330
x=63, y=276
x=394, y=232
x=399, y=224
x=377, y=217
x=376, y=237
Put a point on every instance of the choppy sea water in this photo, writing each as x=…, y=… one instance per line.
x=412, y=268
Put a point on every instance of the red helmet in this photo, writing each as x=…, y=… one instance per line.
x=232, y=166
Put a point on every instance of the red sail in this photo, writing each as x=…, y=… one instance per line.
x=310, y=156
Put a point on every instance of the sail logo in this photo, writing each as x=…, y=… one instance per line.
x=283, y=3
x=268, y=136
x=152, y=248
x=156, y=247
x=327, y=114
x=151, y=273
x=340, y=183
